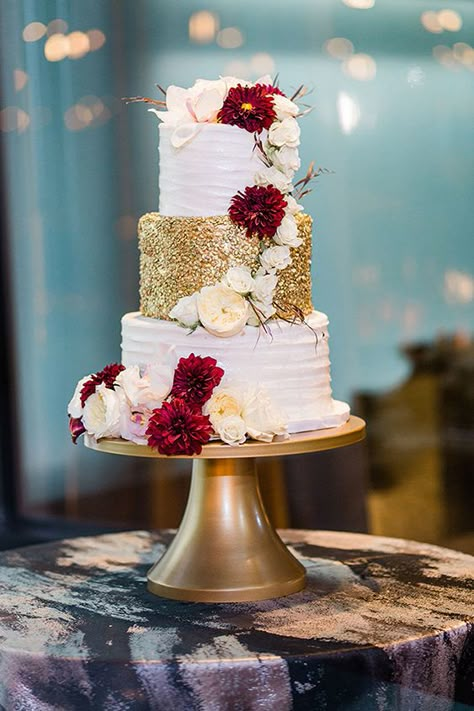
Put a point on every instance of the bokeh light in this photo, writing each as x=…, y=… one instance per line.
x=203, y=26
x=360, y=66
x=96, y=39
x=20, y=79
x=230, y=38
x=79, y=45
x=34, y=31
x=450, y=20
x=57, y=27
x=359, y=4
x=56, y=48
x=339, y=47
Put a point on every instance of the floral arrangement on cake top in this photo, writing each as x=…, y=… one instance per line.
x=268, y=208
x=173, y=408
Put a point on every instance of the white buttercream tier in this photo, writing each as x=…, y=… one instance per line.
x=292, y=362
x=200, y=178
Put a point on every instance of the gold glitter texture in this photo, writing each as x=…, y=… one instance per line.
x=180, y=255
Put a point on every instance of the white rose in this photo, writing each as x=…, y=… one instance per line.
x=224, y=402
x=134, y=423
x=74, y=409
x=273, y=176
x=265, y=285
x=101, y=416
x=292, y=206
x=185, y=311
x=260, y=311
x=232, y=430
x=287, y=232
x=262, y=417
x=284, y=107
x=221, y=310
x=277, y=257
x=239, y=279
x=146, y=391
x=285, y=159
x=285, y=133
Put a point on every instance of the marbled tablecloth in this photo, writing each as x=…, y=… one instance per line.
x=382, y=624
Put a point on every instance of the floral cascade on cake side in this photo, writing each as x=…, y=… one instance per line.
x=227, y=344
x=266, y=209
x=173, y=409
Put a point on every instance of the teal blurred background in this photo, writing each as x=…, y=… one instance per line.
x=393, y=242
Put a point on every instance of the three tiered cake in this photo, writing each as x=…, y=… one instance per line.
x=226, y=343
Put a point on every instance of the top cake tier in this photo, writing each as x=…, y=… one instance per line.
x=200, y=178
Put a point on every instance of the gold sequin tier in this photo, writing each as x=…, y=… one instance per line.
x=180, y=255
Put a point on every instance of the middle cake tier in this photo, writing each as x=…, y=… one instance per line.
x=180, y=255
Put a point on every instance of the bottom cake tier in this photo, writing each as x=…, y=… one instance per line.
x=290, y=360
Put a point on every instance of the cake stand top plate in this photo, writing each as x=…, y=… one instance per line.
x=302, y=443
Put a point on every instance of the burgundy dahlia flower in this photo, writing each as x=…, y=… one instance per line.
x=195, y=378
x=249, y=107
x=176, y=428
x=107, y=376
x=76, y=428
x=260, y=209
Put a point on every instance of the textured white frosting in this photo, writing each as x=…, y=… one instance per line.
x=292, y=363
x=200, y=178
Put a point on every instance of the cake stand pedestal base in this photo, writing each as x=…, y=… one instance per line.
x=226, y=549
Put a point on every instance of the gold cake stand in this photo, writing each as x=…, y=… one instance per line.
x=226, y=549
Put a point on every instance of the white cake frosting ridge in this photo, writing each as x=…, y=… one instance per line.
x=291, y=363
x=199, y=178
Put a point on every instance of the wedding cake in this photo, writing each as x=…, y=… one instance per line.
x=227, y=343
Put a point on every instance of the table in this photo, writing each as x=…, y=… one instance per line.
x=382, y=624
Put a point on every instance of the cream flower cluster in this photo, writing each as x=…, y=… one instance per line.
x=124, y=411
x=239, y=299
x=186, y=109
x=281, y=153
x=238, y=412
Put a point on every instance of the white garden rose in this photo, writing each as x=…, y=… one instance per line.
x=74, y=409
x=286, y=159
x=186, y=312
x=232, y=430
x=273, y=176
x=277, y=257
x=262, y=417
x=292, y=206
x=287, y=232
x=224, y=402
x=264, y=288
x=239, y=279
x=284, y=107
x=102, y=410
x=221, y=310
x=146, y=391
x=285, y=133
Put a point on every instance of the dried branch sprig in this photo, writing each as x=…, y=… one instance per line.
x=258, y=146
x=145, y=100
x=297, y=316
x=311, y=174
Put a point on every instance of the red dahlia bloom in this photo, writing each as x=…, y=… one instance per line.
x=249, y=107
x=76, y=428
x=176, y=428
x=108, y=376
x=195, y=378
x=260, y=209
x=273, y=89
